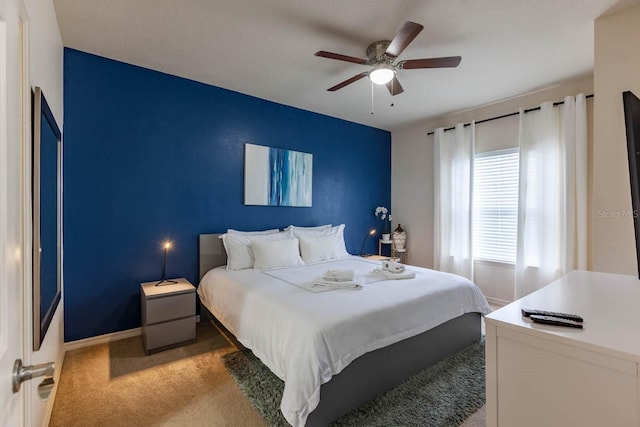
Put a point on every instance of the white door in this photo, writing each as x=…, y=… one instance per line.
x=12, y=204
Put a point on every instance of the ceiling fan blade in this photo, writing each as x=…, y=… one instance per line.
x=444, y=62
x=401, y=40
x=394, y=86
x=331, y=55
x=347, y=82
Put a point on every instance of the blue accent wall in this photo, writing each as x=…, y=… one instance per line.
x=150, y=156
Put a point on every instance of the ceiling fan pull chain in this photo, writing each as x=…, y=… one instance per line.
x=372, y=98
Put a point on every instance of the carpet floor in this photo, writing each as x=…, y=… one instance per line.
x=115, y=384
x=443, y=395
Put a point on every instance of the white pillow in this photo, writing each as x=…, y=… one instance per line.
x=336, y=232
x=313, y=231
x=317, y=227
x=238, y=248
x=314, y=249
x=248, y=233
x=276, y=253
x=253, y=233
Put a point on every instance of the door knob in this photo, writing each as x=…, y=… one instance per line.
x=23, y=373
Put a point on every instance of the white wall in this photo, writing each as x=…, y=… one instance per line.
x=46, y=54
x=412, y=174
x=412, y=191
x=617, y=69
x=46, y=71
x=497, y=134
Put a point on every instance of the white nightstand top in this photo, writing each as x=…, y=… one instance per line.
x=376, y=257
x=380, y=258
x=151, y=290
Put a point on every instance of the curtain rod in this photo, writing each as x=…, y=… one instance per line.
x=555, y=104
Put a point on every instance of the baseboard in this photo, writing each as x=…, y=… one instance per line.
x=102, y=339
x=106, y=338
x=498, y=302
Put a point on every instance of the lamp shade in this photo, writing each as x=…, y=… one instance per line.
x=381, y=75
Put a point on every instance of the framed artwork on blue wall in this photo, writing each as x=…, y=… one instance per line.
x=277, y=177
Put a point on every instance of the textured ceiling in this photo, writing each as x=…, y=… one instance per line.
x=265, y=48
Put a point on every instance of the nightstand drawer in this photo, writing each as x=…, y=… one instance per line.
x=169, y=333
x=170, y=307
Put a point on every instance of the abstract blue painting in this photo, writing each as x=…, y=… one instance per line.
x=277, y=177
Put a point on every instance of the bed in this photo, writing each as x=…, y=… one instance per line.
x=336, y=350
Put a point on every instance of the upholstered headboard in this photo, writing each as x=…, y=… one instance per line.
x=211, y=254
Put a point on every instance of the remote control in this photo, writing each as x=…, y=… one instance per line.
x=526, y=312
x=556, y=321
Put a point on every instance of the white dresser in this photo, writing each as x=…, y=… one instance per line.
x=542, y=375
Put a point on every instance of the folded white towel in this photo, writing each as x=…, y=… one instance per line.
x=389, y=275
x=339, y=275
x=332, y=284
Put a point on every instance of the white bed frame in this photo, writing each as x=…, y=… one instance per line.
x=376, y=371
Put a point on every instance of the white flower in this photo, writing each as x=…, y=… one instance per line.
x=381, y=210
x=383, y=213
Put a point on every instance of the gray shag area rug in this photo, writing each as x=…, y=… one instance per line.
x=443, y=395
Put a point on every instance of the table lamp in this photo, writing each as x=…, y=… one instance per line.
x=163, y=281
x=369, y=233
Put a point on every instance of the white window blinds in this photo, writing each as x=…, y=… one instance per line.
x=495, y=206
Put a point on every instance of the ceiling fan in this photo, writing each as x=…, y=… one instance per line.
x=382, y=55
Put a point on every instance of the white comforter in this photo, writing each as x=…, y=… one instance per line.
x=305, y=338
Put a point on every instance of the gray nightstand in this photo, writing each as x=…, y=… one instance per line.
x=168, y=315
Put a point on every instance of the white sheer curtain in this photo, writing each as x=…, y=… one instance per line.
x=552, y=194
x=453, y=174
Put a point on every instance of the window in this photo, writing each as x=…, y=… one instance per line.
x=495, y=206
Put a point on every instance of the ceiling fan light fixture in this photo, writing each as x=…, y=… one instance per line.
x=383, y=60
x=382, y=75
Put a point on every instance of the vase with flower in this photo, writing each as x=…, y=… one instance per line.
x=384, y=214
